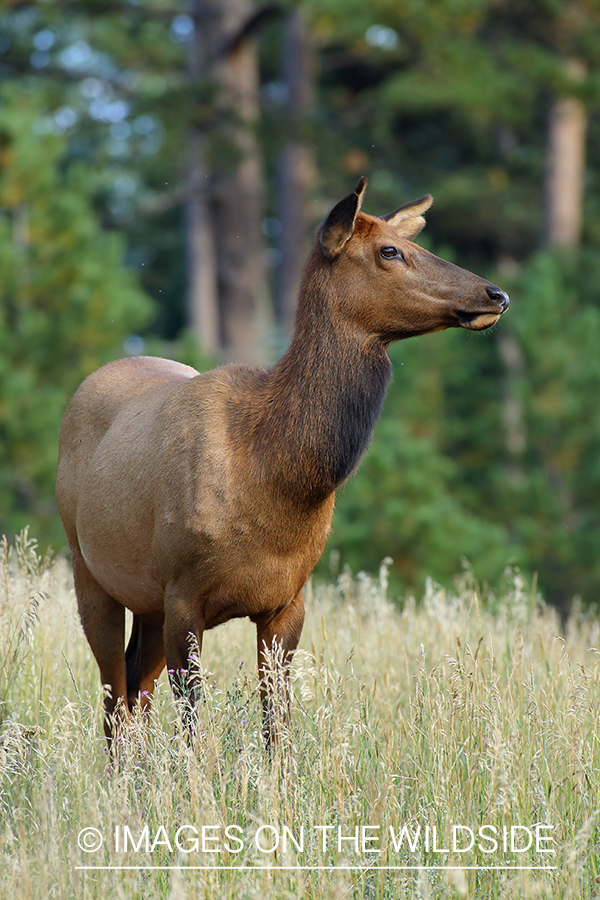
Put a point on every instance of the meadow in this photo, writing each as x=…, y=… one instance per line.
x=440, y=747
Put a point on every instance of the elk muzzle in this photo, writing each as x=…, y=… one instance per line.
x=479, y=320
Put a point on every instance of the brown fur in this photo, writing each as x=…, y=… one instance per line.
x=192, y=499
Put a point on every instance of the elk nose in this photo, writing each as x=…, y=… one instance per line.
x=498, y=296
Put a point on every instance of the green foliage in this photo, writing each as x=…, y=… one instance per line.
x=554, y=498
x=452, y=99
x=449, y=97
x=448, y=476
x=405, y=504
x=66, y=303
x=412, y=495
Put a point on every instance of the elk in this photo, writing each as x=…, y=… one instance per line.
x=194, y=498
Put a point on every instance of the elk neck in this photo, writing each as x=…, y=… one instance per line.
x=321, y=401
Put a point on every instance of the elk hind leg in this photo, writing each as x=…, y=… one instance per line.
x=103, y=622
x=144, y=660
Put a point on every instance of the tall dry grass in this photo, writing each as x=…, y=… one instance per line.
x=450, y=712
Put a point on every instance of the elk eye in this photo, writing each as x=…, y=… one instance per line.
x=392, y=253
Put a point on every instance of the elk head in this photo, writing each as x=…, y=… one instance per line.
x=391, y=287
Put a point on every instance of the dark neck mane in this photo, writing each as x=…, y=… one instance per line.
x=321, y=401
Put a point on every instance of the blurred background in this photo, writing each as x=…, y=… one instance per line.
x=163, y=166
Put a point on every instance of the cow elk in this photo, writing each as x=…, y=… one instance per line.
x=194, y=498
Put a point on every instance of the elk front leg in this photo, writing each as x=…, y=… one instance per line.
x=182, y=638
x=277, y=638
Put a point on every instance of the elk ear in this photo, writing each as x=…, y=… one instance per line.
x=408, y=219
x=339, y=224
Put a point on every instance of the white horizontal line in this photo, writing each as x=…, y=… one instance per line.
x=320, y=868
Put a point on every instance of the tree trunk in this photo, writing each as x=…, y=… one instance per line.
x=202, y=289
x=296, y=168
x=227, y=288
x=203, y=299
x=565, y=167
x=239, y=189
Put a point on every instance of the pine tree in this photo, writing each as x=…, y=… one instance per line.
x=67, y=301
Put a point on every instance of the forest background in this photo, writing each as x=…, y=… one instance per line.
x=163, y=165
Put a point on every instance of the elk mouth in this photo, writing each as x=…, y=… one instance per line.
x=478, y=321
